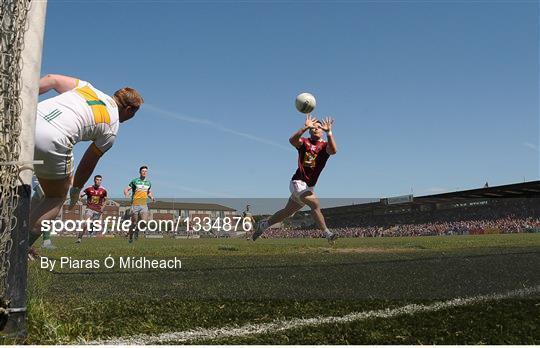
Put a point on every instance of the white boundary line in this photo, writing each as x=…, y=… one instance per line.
x=281, y=325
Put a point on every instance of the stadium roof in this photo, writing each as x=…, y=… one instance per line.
x=529, y=189
x=522, y=190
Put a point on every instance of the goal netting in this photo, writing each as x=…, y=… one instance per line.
x=13, y=24
x=21, y=40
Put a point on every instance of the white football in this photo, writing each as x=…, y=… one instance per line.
x=305, y=103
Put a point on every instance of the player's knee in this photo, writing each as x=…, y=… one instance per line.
x=313, y=205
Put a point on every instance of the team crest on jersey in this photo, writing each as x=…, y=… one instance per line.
x=310, y=160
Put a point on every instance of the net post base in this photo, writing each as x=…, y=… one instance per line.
x=16, y=326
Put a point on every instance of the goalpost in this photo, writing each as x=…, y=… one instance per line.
x=21, y=40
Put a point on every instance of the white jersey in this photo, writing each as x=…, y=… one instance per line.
x=82, y=114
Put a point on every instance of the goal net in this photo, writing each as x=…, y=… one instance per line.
x=21, y=38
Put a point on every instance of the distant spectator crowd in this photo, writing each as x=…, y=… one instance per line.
x=519, y=208
x=508, y=224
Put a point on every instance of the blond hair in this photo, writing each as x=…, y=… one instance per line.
x=128, y=96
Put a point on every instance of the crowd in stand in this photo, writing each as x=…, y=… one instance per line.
x=491, y=210
x=485, y=216
x=509, y=224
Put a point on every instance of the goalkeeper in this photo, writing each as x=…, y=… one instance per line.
x=80, y=112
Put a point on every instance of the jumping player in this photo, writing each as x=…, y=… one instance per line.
x=96, y=197
x=313, y=152
x=80, y=113
x=140, y=192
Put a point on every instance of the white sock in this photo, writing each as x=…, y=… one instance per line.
x=47, y=242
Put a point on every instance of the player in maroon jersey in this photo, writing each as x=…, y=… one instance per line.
x=96, y=196
x=313, y=152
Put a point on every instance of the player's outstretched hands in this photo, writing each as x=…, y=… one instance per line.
x=74, y=194
x=310, y=121
x=327, y=124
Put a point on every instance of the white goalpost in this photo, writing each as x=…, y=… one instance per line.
x=21, y=40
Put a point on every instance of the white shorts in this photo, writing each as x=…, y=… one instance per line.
x=298, y=188
x=54, y=148
x=91, y=214
x=139, y=209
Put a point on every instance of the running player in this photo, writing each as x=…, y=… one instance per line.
x=248, y=217
x=313, y=152
x=140, y=192
x=96, y=197
x=80, y=113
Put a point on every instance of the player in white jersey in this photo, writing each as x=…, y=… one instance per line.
x=79, y=113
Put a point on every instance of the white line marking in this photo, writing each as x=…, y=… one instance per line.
x=281, y=325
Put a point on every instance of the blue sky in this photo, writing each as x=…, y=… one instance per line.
x=429, y=96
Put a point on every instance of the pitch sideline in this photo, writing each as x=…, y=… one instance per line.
x=282, y=325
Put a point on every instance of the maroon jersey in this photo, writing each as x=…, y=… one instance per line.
x=312, y=158
x=95, y=197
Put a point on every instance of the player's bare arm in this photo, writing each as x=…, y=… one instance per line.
x=84, y=170
x=87, y=165
x=59, y=83
x=75, y=196
x=151, y=195
x=326, y=125
x=295, y=138
x=126, y=191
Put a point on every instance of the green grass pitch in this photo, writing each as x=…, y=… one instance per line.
x=235, y=282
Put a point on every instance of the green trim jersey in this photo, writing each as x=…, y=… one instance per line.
x=81, y=114
x=139, y=191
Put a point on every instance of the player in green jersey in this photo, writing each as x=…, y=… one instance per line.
x=140, y=192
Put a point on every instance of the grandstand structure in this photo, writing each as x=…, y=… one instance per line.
x=159, y=210
x=520, y=200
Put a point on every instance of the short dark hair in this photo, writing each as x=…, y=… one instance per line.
x=143, y=167
x=98, y=176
